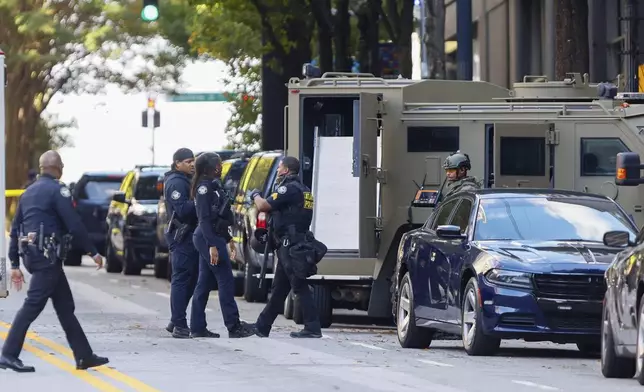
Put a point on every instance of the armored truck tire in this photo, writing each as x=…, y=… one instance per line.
x=323, y=303
x=74, y=258
x=475, y=341
x=409, y=334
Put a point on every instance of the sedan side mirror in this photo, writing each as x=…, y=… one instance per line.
x=119, y=197
x=449, y=232
x=617, y=239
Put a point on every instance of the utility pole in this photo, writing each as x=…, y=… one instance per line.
x=151, y=118
x=3, y=174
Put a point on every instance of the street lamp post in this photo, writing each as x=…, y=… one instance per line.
x=3, y=174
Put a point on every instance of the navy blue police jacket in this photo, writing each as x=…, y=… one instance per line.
x=210, y=193
x=176, y=191
x=291, y=205
x=47, y=201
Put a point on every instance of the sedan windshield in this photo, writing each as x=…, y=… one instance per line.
x=549, y=219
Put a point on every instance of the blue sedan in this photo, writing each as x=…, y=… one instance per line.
x=501, y=264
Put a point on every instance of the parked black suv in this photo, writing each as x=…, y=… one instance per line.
x=91, y=197
x=232, y=171
x=259, y=174
x=132, y=221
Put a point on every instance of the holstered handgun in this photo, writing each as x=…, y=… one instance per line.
x=220, y=222
x=63, y=248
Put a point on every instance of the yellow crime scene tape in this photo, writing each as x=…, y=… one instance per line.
x=13, y=192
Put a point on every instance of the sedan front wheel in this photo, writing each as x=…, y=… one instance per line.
x=475, y=341
x=409, y=334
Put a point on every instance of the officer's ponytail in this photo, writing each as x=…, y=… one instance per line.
x=206, y=166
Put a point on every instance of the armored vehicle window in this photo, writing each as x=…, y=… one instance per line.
x=598, y=155
x=523, y=156
x=444, y=213
x=461, y=217
x=259, y=175
x=432, y=139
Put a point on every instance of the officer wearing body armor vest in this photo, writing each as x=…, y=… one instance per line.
x=456, y=167
x=291, y=208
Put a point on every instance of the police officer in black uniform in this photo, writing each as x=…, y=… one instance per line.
x=182, y=223
x=291, y=208
x=210, y=239
x=44, y=216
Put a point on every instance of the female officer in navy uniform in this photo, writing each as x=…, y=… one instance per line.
x=210, y=239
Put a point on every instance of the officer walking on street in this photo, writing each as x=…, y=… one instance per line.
x=291, y=208
x=456, y=166
x=44, y=217
x=183, y=255
x=210, y=239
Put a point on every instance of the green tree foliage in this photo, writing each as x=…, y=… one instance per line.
x=78, y=46
x=244, y=125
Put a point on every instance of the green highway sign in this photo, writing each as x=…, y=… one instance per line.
x=199, y=97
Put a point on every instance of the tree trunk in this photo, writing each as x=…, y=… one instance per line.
x=434, y=38
x=363, y=41
x=342, y=35
x=322, y=12
x=374, y=36
x=404, y=38
x=21, y=123
x=571, y=37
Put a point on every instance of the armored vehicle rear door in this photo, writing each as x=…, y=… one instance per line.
x=365, y=162
x=521, y=156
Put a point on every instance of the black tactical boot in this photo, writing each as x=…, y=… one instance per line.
x=170, y=327
x=306, y=334
x=242, y=330
x=204, y=334
x=181, y=333
x=93, y=361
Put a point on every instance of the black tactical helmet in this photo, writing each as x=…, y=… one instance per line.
x=456, y=161
x=207, y=163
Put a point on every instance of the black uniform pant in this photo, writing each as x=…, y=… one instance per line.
x=185, y=270
x=47, y=281
x=283, y=282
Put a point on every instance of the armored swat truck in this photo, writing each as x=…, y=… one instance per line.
x=366, y=143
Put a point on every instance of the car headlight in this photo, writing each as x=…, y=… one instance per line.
x=509, y=278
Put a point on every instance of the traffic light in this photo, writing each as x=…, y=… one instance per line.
x=150, y=11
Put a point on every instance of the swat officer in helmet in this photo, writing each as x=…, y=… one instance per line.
x=456, y=166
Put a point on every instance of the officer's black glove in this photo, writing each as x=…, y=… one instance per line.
x=255, y=192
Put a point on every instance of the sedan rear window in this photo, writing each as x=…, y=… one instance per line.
x=146, y=188
x=549, y=219
x=99, y=190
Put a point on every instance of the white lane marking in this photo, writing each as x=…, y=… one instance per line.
x=327, y=337
x=368, y=346
x=164, y=295
x=427, y=361
x=114, y=281
x=535, y=385
x=136, y=286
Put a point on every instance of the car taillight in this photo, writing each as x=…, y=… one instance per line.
x=261, y=221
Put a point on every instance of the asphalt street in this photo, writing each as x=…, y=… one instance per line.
x=124, y=318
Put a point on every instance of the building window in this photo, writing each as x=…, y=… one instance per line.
x=523, y=156
x=598, y=155
x=432, y=139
